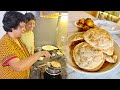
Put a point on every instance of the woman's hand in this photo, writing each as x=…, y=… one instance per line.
x=46, y=54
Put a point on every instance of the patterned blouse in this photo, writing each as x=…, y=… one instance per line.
x=9, y=49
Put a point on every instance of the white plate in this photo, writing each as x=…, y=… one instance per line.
x=110, y=26
x=106, y=69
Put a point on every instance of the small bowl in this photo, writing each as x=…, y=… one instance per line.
x=77, y=25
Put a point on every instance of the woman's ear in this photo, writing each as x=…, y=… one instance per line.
x=12, y=29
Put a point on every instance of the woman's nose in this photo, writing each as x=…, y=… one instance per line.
x=24, y=29
x=31, y=25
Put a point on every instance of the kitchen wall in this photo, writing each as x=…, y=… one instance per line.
x=45, y=31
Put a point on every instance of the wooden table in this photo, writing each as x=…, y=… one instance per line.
x=72, y=74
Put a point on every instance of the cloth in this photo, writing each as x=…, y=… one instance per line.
x=28, y=39
x=9, y=49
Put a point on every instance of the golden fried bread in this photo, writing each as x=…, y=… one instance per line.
x=110, y=59
x=75, y=37
x=115, y=57
x=54, y=64
x=109, y=51
x=88, y=57
x=98, y=38
x=74, y=40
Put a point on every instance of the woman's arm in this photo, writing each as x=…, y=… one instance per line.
x=21, y=65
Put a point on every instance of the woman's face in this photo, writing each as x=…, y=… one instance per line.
x=30, y=25
x=19, y=30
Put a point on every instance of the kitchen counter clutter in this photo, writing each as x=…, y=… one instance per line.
x=57, y=59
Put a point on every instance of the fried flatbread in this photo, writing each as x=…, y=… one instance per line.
x=110, y=59
x=87, y=57
x=108, y=51
x=98, y=38
x=75, y=37
x=74, y=40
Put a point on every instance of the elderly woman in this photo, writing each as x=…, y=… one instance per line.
x=15, y=60
x=28, y=36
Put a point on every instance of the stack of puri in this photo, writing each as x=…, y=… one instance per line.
x=90, y=50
